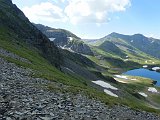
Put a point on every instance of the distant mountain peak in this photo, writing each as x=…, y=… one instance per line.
x=52, y=32
x=139, y=41
x=138, y=35
x=114, y=34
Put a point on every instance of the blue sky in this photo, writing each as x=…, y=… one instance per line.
x=96, y=18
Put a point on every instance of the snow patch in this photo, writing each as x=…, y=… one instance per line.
x=152, y=89
x=63, y=47
x=121, y=76
x=52, y=39
x=120, y=80
x=131, y=40
x=126, y=60
x=156, y=68
x=145, y=66
x=126, y=56
x=110, y=93
x=143, y=94
x=70, y=38
x=69, y=49
x=104, y=84
x=69, y=70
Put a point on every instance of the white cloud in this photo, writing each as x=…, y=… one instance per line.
x=76, y=11
x=95, y=11
x=44, y=12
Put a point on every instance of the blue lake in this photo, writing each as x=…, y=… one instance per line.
x=145, y=73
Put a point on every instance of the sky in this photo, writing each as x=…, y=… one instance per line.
x=92, y=19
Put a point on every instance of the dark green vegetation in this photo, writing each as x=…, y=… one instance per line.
x=110, y=47
x=75, y=70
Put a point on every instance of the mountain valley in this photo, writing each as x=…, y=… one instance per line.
x=51, y=74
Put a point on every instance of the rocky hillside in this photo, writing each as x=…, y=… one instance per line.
x=65, y=39
x=23, y=97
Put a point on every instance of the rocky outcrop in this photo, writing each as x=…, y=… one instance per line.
x=79, y=47
x=154, y=82
x=6, y=53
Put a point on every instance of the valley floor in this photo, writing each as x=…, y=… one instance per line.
x=27, y=98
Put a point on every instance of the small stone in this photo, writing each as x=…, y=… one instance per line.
x=8, y=118
x=46, y=118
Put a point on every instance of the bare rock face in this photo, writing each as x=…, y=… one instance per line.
x=79, y=48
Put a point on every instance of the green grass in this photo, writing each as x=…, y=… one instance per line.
x=133, y=99
x=156, y=98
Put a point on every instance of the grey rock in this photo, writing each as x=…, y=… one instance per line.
x=12, y=55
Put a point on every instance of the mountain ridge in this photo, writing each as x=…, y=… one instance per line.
x=65, y=39
x=138, y=41
x=141, y=42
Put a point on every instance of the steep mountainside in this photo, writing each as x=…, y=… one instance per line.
x=65, y=39
x=13, y=23
x=18, y=33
